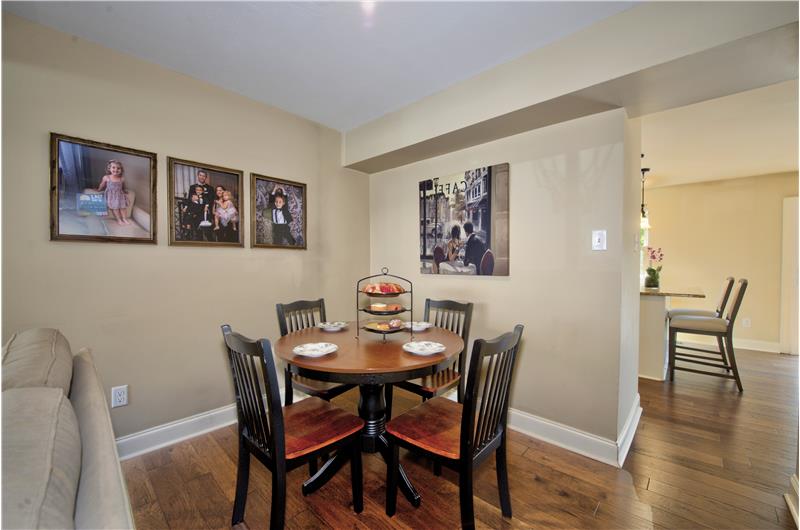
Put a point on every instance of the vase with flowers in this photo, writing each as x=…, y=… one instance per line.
x=653, y=278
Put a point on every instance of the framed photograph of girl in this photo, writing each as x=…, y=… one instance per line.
x=205, y=204
x=101, y=192
x=278, y=213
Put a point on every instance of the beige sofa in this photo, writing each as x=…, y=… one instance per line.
x=60, y=462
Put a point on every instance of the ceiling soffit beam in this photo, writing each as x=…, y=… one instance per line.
x=487, y=107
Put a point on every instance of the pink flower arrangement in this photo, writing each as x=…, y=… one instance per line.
x=653, y=278
x=654, y=254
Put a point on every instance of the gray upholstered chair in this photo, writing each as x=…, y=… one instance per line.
x=727, y=287
x=719, y=327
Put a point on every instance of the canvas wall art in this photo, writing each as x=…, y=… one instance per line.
x=463, y=223
x=279, y=213
x=205, y=204
x=101, y=192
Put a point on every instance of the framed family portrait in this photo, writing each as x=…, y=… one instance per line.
x=205, y=204
x=278, y=213
x=101, y=192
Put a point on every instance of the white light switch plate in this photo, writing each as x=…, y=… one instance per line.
x=598, y=240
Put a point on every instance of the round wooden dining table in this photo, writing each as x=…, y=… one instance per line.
x=371, y=362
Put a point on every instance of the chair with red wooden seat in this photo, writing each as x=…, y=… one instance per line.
x=461, y=436
x=294, y=317
x=283, y=438
x=455, y=317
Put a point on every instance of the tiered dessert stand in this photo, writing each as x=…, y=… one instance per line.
x=384, y=277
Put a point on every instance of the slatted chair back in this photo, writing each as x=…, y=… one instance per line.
x=485, y=408
x=452, y=316
x=727, y=287
x=300, y=315
x=736, y=300
x=254, y=378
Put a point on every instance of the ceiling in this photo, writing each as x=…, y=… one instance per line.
x=745, y=134
x=340, y=64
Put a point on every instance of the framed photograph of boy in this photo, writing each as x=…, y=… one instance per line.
x=278, y=213
x=101, y=192
x=205, y=204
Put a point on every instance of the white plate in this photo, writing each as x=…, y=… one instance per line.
x=315, y=349
x=418, y=326
x=332, y=326
x=424, y=347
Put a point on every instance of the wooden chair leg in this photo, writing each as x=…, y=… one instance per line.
x=392, y=467
x=722, y=353
x=502, y=478
x=287, y=387
x=673, y=337
x=242, y=480
x=356, y=476
x=465, y=499
x=277, y=516
x=388, y=393
x=732, y=361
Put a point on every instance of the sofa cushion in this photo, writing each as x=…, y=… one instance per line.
x=41, y=459
x=37, y=357
x=102, y=496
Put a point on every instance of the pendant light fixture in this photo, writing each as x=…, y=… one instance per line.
x=645, y=222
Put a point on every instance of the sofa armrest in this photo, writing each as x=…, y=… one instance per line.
x=102, y=500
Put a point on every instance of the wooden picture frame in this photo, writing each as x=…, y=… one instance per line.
x=87, y=178
x=264, y=233
x=196, y=221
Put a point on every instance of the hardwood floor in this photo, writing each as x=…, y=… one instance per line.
x=703, y=456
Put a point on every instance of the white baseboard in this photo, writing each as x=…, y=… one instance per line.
x=628, y=431
x=176, y=431
x=575, y=440
x=595, y=447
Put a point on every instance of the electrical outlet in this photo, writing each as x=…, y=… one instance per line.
x=746, y=322
x=119, y=396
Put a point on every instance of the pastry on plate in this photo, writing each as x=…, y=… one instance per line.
x=383, y=288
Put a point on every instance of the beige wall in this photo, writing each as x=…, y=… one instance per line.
x=565, y=180
x=725, y=228
x=152, y=313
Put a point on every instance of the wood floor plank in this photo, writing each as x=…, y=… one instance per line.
x=140, y=490
x=150, y=517
x=705, y=456
x=179, y=510
x=210, y=501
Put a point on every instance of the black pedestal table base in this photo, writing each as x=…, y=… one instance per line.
x=372, y=409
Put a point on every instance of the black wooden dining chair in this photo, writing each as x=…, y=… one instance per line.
x=461, y=436
x=452, y=316
x=282, y=438
x=295, y=317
